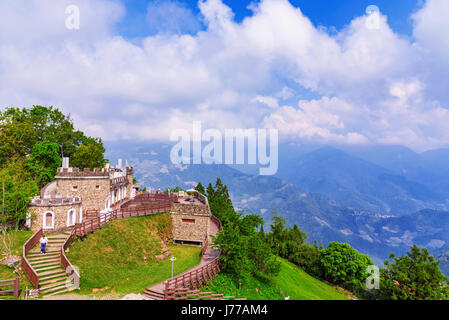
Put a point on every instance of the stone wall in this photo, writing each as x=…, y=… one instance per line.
x=190, y=227
x=93, y=190
x=190, y=208
x=59, y=220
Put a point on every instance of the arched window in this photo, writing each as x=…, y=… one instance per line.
x=49, y=220
x=71, y=217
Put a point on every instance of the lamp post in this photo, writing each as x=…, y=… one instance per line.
x=172, y=259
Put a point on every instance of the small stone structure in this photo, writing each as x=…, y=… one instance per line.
x=191, y=219
x=62, y=201
x=54, y=214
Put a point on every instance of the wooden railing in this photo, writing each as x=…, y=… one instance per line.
x=188, y=294
x=14, y=283
x=90, y=225
x=65, y=263
x=26, y=266
x=205, y=245
x=194, y=279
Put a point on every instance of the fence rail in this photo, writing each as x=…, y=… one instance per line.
x=65, y=263
x=90, y=225
x=26, y=266
x=14, y=283
x=188, y=294
x=194, y=279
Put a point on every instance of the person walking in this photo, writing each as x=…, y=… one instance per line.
x=43, y=242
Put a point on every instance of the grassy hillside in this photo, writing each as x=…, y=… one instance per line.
x=121, y=257
x=298, y=285
x=292, y=282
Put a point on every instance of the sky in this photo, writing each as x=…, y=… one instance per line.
x=334, y=72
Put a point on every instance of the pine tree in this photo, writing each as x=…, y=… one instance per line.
x=200, y=188
x=210, y=192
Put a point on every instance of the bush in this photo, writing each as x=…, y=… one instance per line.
x=343, y=265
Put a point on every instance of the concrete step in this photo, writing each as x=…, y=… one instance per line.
x=57, y=292
x=58, y=236
x=46, y=273
x=47, y=268
x=45, y=288
x=40, y=257
x=52, y=277
x=48, y=251
x=56, y=278
x=53, y=289
x=38, y=264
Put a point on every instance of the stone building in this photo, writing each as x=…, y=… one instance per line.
x=98, y=189
x=55, y=214
x=191, y=218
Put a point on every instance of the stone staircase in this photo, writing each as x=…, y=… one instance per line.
x=52, y=277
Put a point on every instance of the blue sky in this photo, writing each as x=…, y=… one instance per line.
x=328, y=13
x=140, y=69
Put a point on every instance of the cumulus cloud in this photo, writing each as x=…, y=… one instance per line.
x=371, y=84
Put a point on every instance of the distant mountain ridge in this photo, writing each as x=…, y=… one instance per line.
x=314, y=192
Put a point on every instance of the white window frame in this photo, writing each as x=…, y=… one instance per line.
x=44, y=220
x=68, y=217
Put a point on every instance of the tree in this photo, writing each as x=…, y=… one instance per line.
x=17, y=187
x=90, y=155
x=414, y=276
x=341, y=264
x=200, y=188
x=44, y=162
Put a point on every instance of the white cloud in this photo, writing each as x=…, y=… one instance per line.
x=171, y=17
x=373, y=85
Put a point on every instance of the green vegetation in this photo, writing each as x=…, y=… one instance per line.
x=292, y=282
x=343, y=265
x=415, y=276
x=121, y=257
x=32, y=143
x=251, y=288
x=298, y=285
x=11, y=245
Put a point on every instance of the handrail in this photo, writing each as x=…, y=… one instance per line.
x=65, y=263
x=195, y=278
x=26, y=266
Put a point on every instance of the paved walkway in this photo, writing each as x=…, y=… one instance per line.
x=207, y=257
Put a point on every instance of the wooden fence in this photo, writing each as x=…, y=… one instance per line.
x=26, y=266
x=89, y=226
x=14, y=283
x=65, y=263
x=194, y=279
x=188, y=294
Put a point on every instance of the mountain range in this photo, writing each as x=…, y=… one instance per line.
x=378, y=199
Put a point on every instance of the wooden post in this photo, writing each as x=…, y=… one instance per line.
x=166, y=291
x=16, y=288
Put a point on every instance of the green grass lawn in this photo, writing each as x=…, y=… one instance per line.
x=17, y=239
x=121, y=257
x=298, y=285
x=292, y=282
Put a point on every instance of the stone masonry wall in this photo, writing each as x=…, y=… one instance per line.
x=60, y=213
x=190, y=208
x=93, y=190
x=190, y=227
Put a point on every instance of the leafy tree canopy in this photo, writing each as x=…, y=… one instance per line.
x=414, y=276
